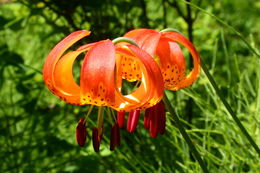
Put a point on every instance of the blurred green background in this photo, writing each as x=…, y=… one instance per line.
x=37, y=130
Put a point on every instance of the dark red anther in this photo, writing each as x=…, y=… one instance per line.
x=162, y=118
x=95, y=139
x=118, y=138
x=132, y=121
x=157, y=119
x=121, y=118
x=81, y=132
x=114, y=137
x=147, y=118
x=154, y=122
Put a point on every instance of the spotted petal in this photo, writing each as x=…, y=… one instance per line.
x=150, y=91
x=98, y=83
x=193, y=75
x=167, y=53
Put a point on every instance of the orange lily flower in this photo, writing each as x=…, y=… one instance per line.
x=158, y=63
x=164, y=48
x=103, y=68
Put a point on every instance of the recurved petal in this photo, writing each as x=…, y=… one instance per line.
x=151, y=88
x=99, y=70
x=171, y=61
x=147, y=39
x=154, y=81
x=53, y=58
x=65, y=85
x=193, y=75
x=97, y=81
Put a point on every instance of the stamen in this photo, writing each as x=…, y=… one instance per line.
x=147, y=118
x=95, y=139
x=157, y=119
x=110, y=114
x=81, y=132
x=114, y=137
x=88, y=113
x=162, y=121
x=121, y=118
x=132, y=121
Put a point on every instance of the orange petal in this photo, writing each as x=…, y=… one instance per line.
x=66, y=87
x=53, y=58
x=171, y=62
x=166, y=53
x=151, y=89
x=98, y=84
x=154, y=77
x=97, y=81
x=147, y=39
x=193, y=75
x=130, y=69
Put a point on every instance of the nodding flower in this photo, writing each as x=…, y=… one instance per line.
x=148, y=57
x=164, y=47
x=103, y=68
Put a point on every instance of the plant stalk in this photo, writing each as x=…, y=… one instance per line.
x=229, y=109
x=186, y=137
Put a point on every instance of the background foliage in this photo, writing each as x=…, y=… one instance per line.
x=37, y=129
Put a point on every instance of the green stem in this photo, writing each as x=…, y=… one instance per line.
x=124, y=39
x=231, y=112
x=171, y=30
x=174, y=113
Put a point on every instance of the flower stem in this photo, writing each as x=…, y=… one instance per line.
x=171, y=30
x=124, y=39
x=231, y=112
x=186, y=137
